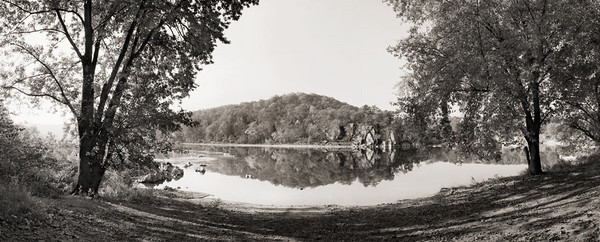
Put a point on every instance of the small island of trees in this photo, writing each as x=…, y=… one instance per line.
x=296, y=118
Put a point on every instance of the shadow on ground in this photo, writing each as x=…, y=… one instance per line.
x=562, y=205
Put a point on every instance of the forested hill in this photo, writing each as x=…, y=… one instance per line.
x=291, y=118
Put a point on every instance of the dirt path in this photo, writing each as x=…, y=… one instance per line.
x=561, y=205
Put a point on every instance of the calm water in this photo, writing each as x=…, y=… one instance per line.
x=319, y=177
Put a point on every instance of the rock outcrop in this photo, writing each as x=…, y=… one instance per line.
x=166, y=172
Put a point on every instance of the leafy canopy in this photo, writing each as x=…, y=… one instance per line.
x=118, y=66
x=507, y=65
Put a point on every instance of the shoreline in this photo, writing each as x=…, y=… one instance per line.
x=562, y=204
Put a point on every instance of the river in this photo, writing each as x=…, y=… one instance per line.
x=288, y=177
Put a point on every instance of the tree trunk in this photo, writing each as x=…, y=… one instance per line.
x=535, y=165
x=91, y=170
x=533, y=124
x=534, y=162
x=445, y=121
x=96, y=175
x=84, y=179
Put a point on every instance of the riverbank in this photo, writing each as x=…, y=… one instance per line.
x=563, y=204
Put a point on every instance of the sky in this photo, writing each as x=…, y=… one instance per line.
x=335, y=48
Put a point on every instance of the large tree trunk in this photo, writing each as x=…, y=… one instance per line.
x=91, y=169
x=84, y=179
x=92, y=143
x=533, y=124
x=535, y=164
x=532, y=152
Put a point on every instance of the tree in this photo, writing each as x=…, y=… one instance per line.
x=581, y=105
x=116, y=65
x=499, y=61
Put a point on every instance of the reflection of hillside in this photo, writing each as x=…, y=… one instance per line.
x=312, y=168
x=301, y=168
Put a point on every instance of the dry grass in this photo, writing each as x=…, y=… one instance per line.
x=17, y=204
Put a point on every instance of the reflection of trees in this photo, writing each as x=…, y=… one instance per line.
x=300, y=168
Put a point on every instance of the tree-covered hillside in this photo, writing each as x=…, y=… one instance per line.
x=291, y=118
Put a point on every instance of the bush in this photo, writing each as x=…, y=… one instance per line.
x=38, y=166
x=118, y=185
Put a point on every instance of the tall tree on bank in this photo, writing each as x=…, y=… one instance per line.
x=502, y=62
x=116, y=65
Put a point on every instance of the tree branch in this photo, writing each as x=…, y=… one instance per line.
x=582, y=109
x=96, y=50
x=66, y=100
x=34, y=94
x=34, y=31
x=121, y=85
x=158, y=26
x=70, y=11
x=108, y=17
x=585, y=131
x=111, y=79
x=23, y=9
x=66, y=32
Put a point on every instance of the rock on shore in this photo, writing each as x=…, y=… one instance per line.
x=166, y=172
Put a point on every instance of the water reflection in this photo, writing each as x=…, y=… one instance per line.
x=279, y=176
x=307, y=168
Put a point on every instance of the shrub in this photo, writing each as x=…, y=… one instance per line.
x=38, y=166
x=118, y=185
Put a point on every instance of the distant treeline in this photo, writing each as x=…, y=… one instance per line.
x=292, y=118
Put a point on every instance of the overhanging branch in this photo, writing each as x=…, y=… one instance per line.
x=65, y=100
x=33, y=94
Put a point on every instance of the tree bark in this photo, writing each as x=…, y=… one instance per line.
x=532, y=151
x=445, y=121
x=90, y=167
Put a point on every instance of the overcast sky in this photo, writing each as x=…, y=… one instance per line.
x=335, y=48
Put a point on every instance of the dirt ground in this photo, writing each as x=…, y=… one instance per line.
x=562, y=205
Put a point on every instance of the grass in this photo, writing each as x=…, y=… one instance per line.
x=565, y=165
x=17, y=204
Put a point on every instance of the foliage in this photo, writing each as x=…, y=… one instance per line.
x=291, y=118
x=504, y=64
x=40, y=165
x=118, y=185
x=118, y=66
x=30, y=166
